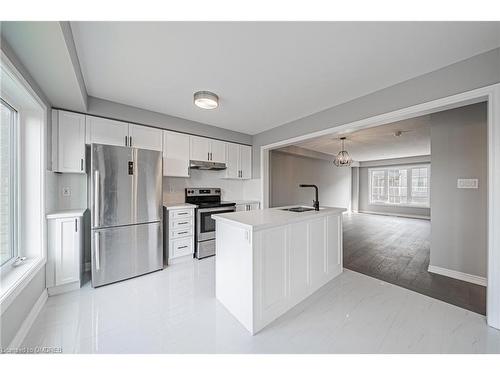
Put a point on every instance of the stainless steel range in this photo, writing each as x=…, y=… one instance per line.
x=209, y=202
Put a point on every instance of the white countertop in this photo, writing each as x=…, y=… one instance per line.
x=271, y=217
x=245, y=201
x=66, y=213
x=178, y=206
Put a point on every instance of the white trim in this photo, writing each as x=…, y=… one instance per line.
x=458, y=275
x=491, y=94
x=423, y=217
x=59, y=289
x=21, y=282
x=28, y=322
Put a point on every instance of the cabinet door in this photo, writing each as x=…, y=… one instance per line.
x=245, y=162
x=67, y=250
x=70, y=146
x=199, y=148
x=254, y=206
x=107, y=132
x=145, y=137
x=241, y=207
x=218, y=151
x=232, y=157
x=175, y=154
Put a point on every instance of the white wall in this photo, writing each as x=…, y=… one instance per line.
x=287, y=171
x=173, y=187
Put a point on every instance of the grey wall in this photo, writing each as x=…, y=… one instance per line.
x=106, y=108
x=459, y=216
x=287, y=171
x=364, y=201
x=478, y=71
x=16, y=313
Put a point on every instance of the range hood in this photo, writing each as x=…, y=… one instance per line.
x=206, y=165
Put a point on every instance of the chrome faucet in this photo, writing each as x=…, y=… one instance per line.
x=316, y=201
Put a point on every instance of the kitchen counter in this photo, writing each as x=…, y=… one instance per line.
x=66, y=213
x=267, y=261
x=178, y=206
x=271, y=217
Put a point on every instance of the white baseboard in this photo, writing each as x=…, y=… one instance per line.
x=52, y=291
x=458, y=275
x=394, y=214
x=28, y=322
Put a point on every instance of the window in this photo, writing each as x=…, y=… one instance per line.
x=8, y=183
x=400, y=186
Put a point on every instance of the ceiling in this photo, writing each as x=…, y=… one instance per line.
x=379, y=142
x=266, y=73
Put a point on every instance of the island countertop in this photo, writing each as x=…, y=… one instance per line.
x=272, y=217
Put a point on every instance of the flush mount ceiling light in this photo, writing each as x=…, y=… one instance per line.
x=343, y=159
x=206, y=99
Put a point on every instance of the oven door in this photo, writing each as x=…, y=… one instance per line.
x=205, y=225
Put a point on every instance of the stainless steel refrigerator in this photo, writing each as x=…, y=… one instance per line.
x=125, y=193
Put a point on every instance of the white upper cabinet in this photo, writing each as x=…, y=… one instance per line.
x=238, y=161
x=175, y=154
x=68, y=142
x=217, y=151
x=232, y=158
x=107, y=132
x=145, y=137
x=200, y=148
x=245, y=162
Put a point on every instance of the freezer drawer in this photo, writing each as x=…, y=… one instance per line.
x=123, y=252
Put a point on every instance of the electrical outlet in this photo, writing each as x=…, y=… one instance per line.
x=467, y=183
x=66, y=191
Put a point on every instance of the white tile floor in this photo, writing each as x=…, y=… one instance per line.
x=175, y=311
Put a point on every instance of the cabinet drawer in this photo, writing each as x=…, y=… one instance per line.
x=180, y=247
x=181, y=232
x=181, y=223
x=180, y=214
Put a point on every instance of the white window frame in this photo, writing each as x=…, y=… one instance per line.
x=13, y=280
x=14, y=193
x=408, y=185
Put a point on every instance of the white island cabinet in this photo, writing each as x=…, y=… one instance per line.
x=269, y=260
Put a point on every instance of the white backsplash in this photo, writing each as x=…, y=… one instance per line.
x=173, y=187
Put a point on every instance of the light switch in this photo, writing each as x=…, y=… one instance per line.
x=467, y=183
x=66, y=191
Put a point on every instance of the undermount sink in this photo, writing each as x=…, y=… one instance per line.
x=298, y=209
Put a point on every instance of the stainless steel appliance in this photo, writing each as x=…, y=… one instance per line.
x=125, y=196
x=209, y=202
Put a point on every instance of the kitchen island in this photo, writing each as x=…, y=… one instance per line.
x=267, y=261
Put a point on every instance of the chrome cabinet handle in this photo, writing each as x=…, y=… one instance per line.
x=130, y=141
x=96, y=198
x=97, y=252
x=182, y=213
x=81, y=164
x=184, y=222
x=182, y=247
x=76, y=225
x=182, y=232
x=126, y=140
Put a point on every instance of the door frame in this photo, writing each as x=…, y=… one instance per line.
x=489, y=94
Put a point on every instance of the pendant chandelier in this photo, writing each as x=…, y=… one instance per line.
x=343, y=159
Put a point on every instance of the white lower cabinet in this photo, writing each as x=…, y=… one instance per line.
x=180, y=234
x=247, y=206
x=65, y=252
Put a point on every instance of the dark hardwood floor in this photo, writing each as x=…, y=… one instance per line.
x=397, y=250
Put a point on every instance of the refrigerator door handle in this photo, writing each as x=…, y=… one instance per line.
x=96, y=198
x=97, y=251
